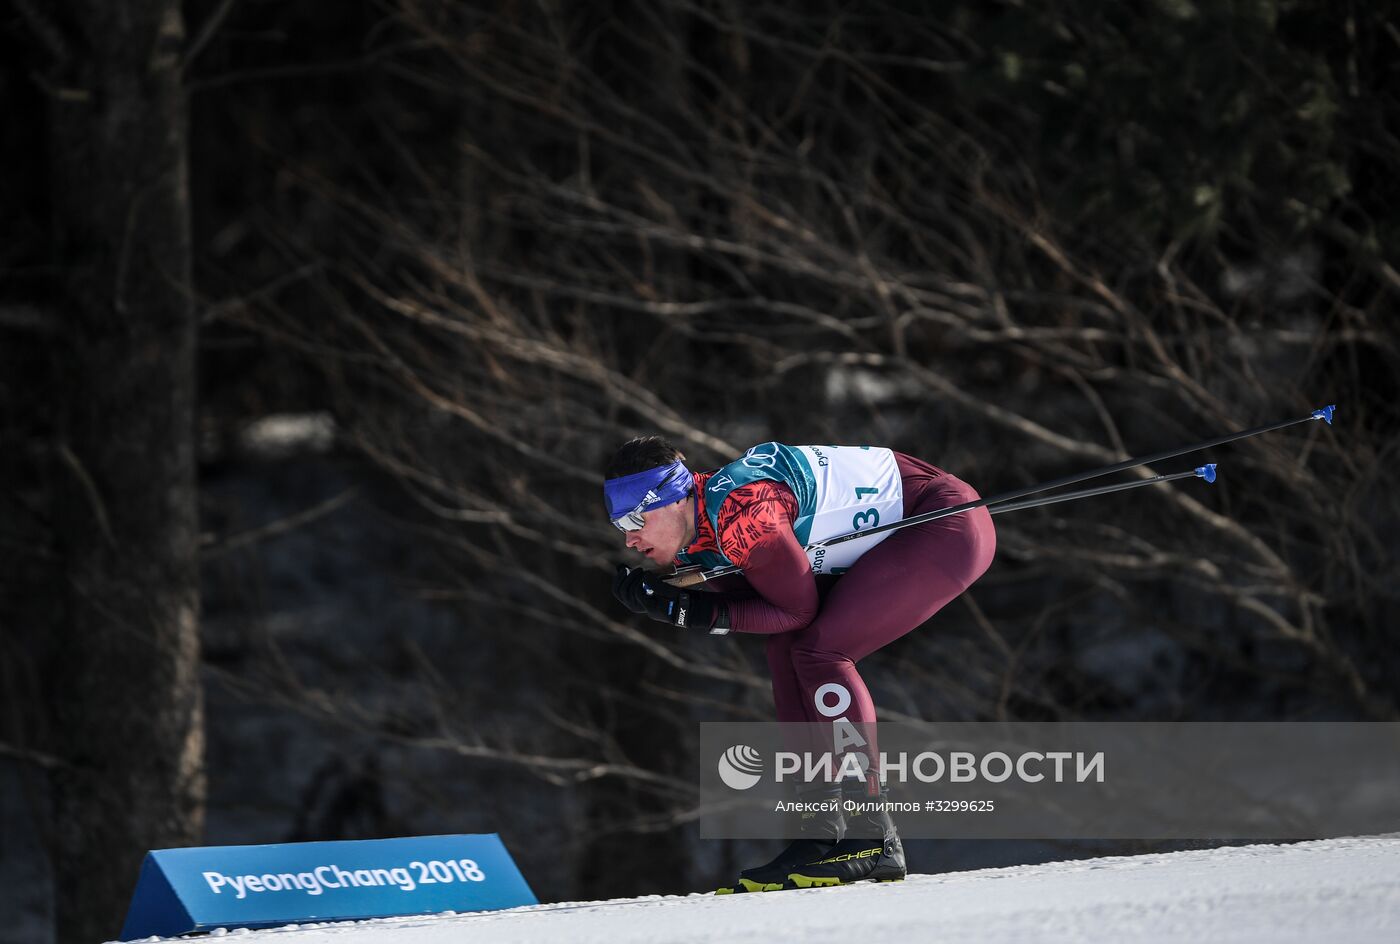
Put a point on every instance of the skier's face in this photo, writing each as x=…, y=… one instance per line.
x=666, y=532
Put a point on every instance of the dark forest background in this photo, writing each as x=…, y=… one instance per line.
x=318, y=319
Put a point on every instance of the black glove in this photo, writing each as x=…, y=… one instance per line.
x=626, y=585
x=643, y=592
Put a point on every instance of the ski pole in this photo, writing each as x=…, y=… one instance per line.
x=1206, y=472
x=691, y=577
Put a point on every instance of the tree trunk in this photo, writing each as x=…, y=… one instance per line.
x=126, y=690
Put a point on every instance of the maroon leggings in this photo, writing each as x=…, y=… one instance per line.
x=890, y=590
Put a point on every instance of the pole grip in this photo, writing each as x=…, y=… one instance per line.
x=692, y=576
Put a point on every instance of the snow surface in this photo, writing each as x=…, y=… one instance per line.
x=1333, y=890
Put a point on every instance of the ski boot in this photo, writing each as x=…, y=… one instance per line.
x=870, y=851
x=819, y=831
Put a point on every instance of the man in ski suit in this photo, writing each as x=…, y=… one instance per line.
x=758, y=512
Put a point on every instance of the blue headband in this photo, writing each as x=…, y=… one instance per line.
x=643, y=491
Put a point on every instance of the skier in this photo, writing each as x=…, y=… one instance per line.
x=822, y=613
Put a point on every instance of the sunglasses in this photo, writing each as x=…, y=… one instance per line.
x=632, y=521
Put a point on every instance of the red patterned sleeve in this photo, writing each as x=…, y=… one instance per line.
x=755, y=532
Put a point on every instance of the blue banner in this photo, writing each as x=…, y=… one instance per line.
x=183, y=890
